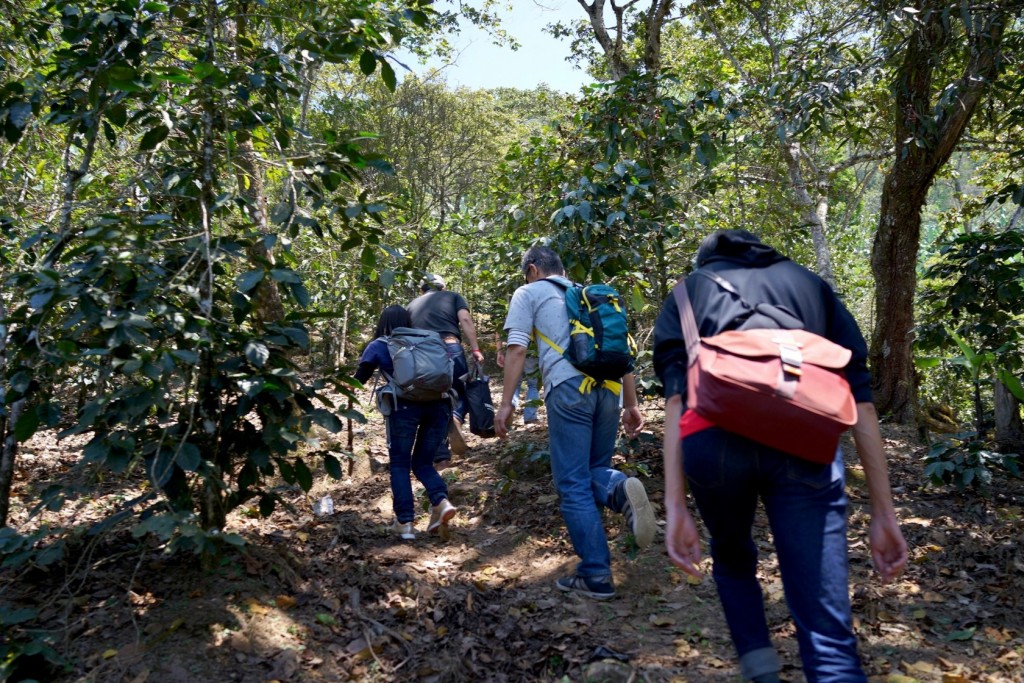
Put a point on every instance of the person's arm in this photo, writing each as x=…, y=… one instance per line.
x=466, y=322
x=368, y=363
x=681, y=538
x=888, y=548
x=632, y=418
x=501, y=349
x=515, y=356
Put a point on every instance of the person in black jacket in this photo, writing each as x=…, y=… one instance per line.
x=727, y=473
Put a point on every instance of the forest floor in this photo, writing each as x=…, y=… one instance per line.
x=335, y=597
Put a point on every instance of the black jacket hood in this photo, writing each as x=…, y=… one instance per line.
x=737, y=246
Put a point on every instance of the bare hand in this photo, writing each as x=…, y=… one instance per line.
x=501, y=359
x=502, y=420
x=683, y=543
x=632, y=421
x=888, y=549
x=479, y=355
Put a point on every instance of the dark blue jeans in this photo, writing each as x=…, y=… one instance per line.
x=415, y=428
x=806, y=507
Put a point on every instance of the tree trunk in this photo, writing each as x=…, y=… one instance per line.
x=615, y=47
x=8, y=456
x=1009, y=425
x=8, y=444
x=813, y=211
x=926, y=135
x=266, y=300
x=894, y=264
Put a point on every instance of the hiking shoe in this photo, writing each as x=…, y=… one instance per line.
x=440, y=515
x=638, y=512
x=590, y=587
x=403, y=530
x=455, y=437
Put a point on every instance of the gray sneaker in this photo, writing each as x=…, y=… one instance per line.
x=591, y=587
x=455, y=437
x=404, y=530
x=638, y=512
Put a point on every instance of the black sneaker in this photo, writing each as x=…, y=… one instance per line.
x=590, y=587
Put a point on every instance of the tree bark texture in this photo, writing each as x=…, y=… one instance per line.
x=612, y=40
x=926, y=135
x=1009, y=425
x=813, y=210
x=266, y=300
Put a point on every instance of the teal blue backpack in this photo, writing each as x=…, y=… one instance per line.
x=600, y=345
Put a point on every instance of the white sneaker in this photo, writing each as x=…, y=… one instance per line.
x=440, y=515
x=403, y=531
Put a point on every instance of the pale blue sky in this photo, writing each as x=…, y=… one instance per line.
x=540, y=58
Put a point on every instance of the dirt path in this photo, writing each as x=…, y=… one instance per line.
x=336, y=597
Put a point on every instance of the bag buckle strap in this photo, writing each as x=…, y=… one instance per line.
x=789, y=353
x=792, y=358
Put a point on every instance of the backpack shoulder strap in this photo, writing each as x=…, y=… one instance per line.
x=563, y=282
x=688, y=324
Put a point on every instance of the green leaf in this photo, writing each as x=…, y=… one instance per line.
x=966, y=350
x=1012, y=383
x=257, y=353
x=367, y=62
x=388, y=74
x=189, y=457
x=186, y=356
x=298, y=336
x=326, y=419
x=300, y=294
x=10, y=617
x=153, y=137
x=303, y=475
x=333, y=465
x=267, y=505
x=965, y=634
x=284, y=275
x=246, y=281
x=26, y=426
x=122, y=72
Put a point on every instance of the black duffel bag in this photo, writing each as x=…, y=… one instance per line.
x=478, y=396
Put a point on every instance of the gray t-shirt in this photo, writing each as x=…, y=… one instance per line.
x=541, y=305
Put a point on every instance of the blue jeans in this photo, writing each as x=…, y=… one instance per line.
x=460, y=368
x=581, y=433
x=532, y=390
x=806, y=507
x=415, y=428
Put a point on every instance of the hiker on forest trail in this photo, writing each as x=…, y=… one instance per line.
x=529, y=378
x=447, y=313
x=583, y=422
x=727, y=473
x=415, y=430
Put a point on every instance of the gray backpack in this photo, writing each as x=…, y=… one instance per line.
x=423, y=369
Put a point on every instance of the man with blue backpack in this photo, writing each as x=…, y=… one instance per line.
x=586, y=362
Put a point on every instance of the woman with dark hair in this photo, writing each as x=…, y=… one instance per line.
x=415, y=430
